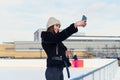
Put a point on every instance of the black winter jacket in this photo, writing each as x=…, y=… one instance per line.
x=50, y=41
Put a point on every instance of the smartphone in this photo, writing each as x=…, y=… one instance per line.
x=84, y=18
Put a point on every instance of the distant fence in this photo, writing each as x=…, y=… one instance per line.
x=106, y=72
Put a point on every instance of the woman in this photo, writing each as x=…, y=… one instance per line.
x=55, y=49
x=75, y=62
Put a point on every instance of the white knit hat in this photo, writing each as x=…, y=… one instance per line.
x=52, y=21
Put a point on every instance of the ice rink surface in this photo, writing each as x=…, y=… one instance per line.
x=34, y=73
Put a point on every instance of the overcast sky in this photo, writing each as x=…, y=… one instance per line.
x=19, y=19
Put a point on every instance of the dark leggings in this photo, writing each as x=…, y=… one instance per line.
x=54, y=73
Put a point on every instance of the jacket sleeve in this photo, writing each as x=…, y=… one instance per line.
x=61, y=36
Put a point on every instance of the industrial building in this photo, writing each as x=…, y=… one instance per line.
x=85, y=46
x=100, y=46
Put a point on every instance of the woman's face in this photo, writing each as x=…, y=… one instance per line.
x=56, y=28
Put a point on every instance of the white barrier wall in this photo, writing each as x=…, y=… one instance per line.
x=104, y=69
x=93, y=63
x=23, y=63
x=34, y=69
x=87, y=63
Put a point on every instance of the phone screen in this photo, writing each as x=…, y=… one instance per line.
x=84, y=18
